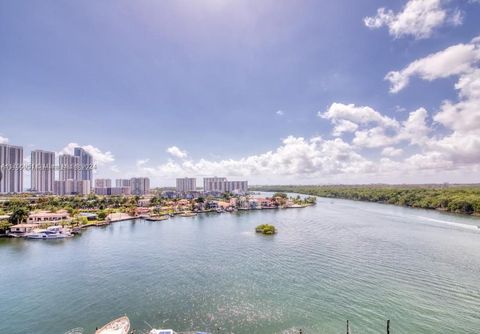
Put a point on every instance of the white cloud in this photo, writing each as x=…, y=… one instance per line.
x=280, y=112
x=371, y=129
x=100, y=157
x=176, y=152
x=460, y=146
x=343, y=126
x=392, y=151
x=3, y=140
x=454, y=60
x=419, y=18
x=356, y=114
x=464, y=115
x=295, y=157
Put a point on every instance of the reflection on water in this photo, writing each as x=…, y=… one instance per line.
x=343, y=260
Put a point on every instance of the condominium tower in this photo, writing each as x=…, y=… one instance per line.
x=69, y=167
x=86, y=164
x=42, y=171
x=186, y=184
x=140, y=185
x=11, y=171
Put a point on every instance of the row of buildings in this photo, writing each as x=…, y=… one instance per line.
x=75, y=174
x=134, y=186
x=211, y=184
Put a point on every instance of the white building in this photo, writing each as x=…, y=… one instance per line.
x=221, y=184
x=186, y=184
x=11, y=171
x=69, y=167
x=72, y=187
x=103, y=183
x=113, y=191
x=42, y=171
x=214, y=184
x=86, y=164
x=120, y=183
x=140, y=185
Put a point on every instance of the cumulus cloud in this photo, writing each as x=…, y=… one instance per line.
x=3, y=140
x=280, y=113
x=419, y=18
x=295, y=156
x=175, y=152
x=371, y=129
x=100, y=157
x=454, y=60
x=460, y=146
x=392, y=151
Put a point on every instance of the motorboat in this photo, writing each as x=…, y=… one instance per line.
x=117, y=326
x=51, y=232
x=162, y=331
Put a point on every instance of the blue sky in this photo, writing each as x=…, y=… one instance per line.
x=270, y=91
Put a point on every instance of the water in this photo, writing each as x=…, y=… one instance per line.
x=336, y=261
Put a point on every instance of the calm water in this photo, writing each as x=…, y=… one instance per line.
x=339, y=260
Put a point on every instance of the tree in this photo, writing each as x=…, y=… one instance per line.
x=4, y=226
x=102, y=215
x=18, y=216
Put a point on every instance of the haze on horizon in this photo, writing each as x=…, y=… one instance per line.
x=274, y=92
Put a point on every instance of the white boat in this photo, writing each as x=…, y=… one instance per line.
x=117, y=326
x=51, y=232
x=162, y=331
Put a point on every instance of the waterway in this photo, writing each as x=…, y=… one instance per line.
x=338, y=260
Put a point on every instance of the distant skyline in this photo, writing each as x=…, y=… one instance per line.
x=273, y=92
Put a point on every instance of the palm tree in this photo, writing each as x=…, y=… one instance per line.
x=18, y=216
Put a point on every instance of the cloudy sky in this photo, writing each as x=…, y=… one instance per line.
x=270, y=91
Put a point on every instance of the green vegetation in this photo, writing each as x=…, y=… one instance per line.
x=4, y=226
x=19, y=215
x=458, y=199
x=266, y=229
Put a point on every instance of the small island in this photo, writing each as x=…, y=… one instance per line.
x=266, y=229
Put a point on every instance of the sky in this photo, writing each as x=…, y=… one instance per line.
x=274, y=92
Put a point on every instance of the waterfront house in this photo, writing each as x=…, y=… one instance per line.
x=21, y=229
x=48, y=217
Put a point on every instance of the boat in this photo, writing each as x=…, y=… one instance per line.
x=117, y=326
x=51, y=232
x=162, y=331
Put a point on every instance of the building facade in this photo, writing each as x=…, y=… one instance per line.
x=86, y=164
x=140, y=185
x=186, y=184
x=69, y=167
x=119, y=183
x=221, y=185
x=72, y=187
x=11, y=171
x=113, y=191
x=214, y=184
x=42, y=171
x=103, y=183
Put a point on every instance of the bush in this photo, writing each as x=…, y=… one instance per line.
x=266, y=229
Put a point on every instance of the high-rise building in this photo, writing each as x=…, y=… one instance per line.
x=221, y=184
x=42, y=171
x=140, y=185
x=186, y=184
x=214, y=184
x=11, y=171
x=69, y=167
x=113, y=191
x=120, y=183
x=72, y=187
x=86, y=164
x=103, y=183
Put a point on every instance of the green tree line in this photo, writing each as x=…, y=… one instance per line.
x=458, y=199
